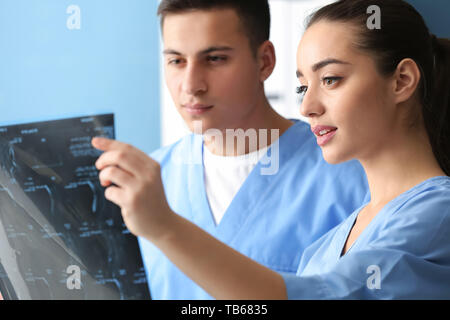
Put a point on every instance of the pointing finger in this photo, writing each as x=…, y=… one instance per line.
x=105, y=144
x=115, y=175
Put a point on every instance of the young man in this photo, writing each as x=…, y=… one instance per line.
x=217, y=57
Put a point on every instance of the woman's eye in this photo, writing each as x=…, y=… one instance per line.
x=329, y=81
x=301, y=90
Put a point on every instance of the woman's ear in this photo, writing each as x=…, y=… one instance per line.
x=407, y=79
x=267, y=60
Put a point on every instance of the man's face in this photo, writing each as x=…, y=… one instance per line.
x=210, y=69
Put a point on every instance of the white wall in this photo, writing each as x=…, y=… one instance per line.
x=288, y=23
x=288, y=17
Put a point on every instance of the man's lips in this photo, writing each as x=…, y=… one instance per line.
x=324, y=134
x=196, y=108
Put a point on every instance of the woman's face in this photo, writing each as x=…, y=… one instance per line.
x=348, y=103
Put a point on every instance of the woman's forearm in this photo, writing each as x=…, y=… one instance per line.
x=133, y=182
x=220, y=270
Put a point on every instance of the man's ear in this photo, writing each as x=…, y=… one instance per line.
x=407, y=79
x=267, y=60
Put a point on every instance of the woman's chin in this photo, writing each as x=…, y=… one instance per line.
x=334, y=157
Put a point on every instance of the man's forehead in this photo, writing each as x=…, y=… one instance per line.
x=195, y=40
x=201, y=24
x=212, y=13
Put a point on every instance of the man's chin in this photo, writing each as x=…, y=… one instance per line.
x=201, y=126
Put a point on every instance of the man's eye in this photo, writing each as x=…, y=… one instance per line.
x=216, y=58
x=175, y=61
x=301, y=90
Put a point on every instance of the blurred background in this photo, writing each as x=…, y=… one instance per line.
x=64, y=58
x=72, y=58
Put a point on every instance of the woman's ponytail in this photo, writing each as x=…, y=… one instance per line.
x=437, y=114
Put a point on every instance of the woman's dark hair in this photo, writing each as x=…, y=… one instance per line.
x=253, y=14
x=404, y=34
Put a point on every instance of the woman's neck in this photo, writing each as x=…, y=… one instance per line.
x=401, y=164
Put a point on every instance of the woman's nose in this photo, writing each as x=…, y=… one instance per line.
x=311, y=105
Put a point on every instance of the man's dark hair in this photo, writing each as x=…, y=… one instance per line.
x=253, y=14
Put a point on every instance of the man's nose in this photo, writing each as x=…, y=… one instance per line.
x=194, y=81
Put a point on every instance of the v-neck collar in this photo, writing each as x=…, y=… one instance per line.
x=374, y=222
x=250, y=193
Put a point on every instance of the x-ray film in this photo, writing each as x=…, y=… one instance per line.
x=59, y=237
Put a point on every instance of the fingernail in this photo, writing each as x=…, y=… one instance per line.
x=97, y=141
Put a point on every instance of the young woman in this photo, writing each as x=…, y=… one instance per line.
x=380, y=96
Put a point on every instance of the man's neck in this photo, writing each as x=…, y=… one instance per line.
x=264, y=129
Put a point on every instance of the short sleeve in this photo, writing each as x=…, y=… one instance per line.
x=407, y=256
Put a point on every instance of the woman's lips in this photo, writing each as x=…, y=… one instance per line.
x=196, y=109
x=324, y=134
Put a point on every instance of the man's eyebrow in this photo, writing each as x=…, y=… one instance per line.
x=170, y=51
x=212, y=49
x=319, y=65
x=203, y=52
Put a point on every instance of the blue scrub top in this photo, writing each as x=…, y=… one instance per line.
x=272, y=218
x=404, y=253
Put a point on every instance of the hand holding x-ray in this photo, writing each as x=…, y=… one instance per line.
x=133, y=182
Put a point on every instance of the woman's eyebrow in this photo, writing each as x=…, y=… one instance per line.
x=319, y=65
x=323, y=63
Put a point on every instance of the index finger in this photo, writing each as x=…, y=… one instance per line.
x=113, y=154
x=105, y=144
x=121, y=155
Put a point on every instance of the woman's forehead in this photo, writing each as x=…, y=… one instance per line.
x=325, y=40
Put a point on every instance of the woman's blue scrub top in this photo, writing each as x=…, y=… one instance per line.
x=404, y=253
